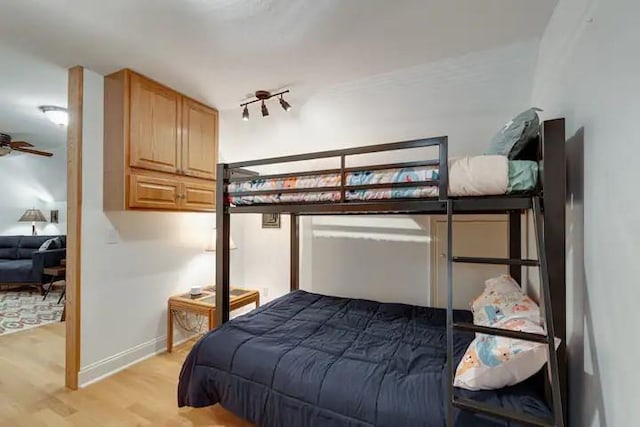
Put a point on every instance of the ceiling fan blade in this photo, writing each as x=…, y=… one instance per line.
x=20, y=144
x=31, y=151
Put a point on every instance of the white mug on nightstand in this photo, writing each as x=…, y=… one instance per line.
x=196, y=290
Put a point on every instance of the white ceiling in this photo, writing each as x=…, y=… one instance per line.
x=220, y=51
x=27, y=82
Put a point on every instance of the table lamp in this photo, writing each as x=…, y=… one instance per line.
x=32, y=216
x=211, y=247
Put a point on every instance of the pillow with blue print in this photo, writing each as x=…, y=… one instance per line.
x=491, y=362
x=503, y=298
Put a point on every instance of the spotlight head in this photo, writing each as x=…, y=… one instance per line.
x=265, y=111
x=245, y=113
x=285, y=105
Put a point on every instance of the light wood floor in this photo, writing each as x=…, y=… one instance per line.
x=32, y=392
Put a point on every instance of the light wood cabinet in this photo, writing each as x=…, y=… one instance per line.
x=199, y=128
x=154, y=126
x=149, y=190
x=160, y=147
x=153, y=193
x=198, y=196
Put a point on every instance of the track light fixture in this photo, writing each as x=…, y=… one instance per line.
x=285, y=105
x=262, y=96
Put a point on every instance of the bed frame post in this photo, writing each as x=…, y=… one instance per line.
x=223, y=231
x=554, y=198
x=515, y=244
x=443, y=169
x=295, y=252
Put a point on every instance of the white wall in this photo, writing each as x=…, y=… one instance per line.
x=380, y=258
x=265, y=256
x=28, y=181
x=467, y=98
x=588, y=72
x=132, y=262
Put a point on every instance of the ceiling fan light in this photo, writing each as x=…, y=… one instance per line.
x=265, y=110
x=56, y=115
x=285, y=105
x=245, y=113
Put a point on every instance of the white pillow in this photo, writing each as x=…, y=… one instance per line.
x=493, y=362
x=47, y=244
x=503, y=299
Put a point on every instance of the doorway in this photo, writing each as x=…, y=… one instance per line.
x=479, y=236
x=35, y=217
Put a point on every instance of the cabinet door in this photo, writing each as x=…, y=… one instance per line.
x=199, y=140
x=198, y=196
x=153, y=193
x=154, y=126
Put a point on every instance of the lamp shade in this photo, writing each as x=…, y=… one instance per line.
x=32, y=215
x=211, y=247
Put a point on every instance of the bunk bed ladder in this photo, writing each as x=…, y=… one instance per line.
x=548, y=339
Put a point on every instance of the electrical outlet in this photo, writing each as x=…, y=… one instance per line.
x=265, y=292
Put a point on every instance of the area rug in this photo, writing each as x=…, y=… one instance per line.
x=22, y=309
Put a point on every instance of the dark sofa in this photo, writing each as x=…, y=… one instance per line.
x=22, y=263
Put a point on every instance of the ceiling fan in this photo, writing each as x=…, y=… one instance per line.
x=7, y=145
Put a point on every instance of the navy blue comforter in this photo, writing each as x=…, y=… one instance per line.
x=313, y=360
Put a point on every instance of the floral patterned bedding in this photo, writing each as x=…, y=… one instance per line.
x=467, y=176
x=333, y=180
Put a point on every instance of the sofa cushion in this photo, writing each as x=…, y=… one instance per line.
x=48, y=244
x=9, y=247
x=29, y=244
x=57, y=242
x=16, y=271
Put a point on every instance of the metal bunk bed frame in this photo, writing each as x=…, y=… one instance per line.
x=547, y=203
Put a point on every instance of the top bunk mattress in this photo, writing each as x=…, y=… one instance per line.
x=468, y=176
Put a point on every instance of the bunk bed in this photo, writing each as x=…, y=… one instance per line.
x=313, y=360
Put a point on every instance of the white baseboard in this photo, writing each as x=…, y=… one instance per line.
x=104, y=368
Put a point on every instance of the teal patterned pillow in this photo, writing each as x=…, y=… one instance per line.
x=516, y=134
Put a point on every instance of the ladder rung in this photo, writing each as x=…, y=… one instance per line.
x=497, y=261
x=473, y=406
x=527, y=336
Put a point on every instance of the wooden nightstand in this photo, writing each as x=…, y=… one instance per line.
x=205, y=305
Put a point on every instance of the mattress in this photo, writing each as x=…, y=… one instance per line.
x=468, y=176
x=312, y=360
